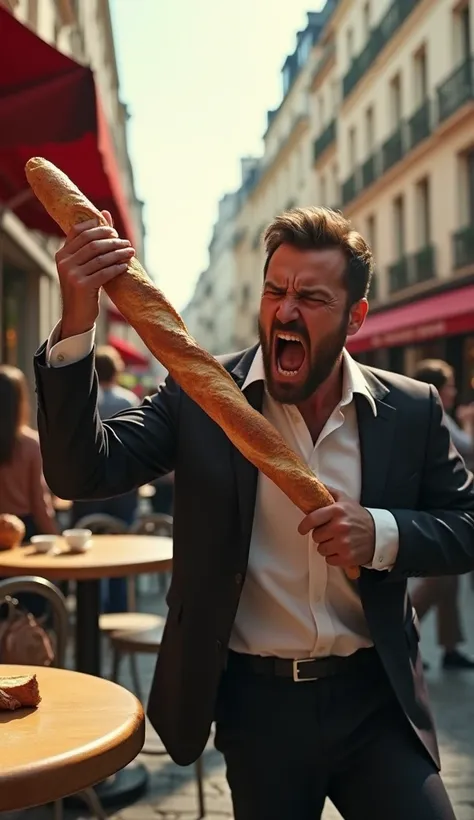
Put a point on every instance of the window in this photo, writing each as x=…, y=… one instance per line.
x=466, y=187
x=321, y=112
x=350, y=45
x=420, y=72
x=336, y=198
x=352, y=149
x=371, y=236
x=366, y=15
x=423, y=212
x=399, y=227
x=369, y=130
x=462, y=34
x=395, y=101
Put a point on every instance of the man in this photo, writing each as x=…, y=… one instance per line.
x=443, y=592
x=315, y=683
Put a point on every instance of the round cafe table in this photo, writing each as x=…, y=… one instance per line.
x=84, y=730
x=110, y=556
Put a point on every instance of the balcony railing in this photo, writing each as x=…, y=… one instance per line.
x=325, y=139
x=422, y=265
x=398, y=275
x=457, y=90
x=350, y=188
x=463, y=241
x=394, y=148
x=370, y=170
x=379, y=37
x=419, y=125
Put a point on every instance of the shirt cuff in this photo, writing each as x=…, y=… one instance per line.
x=386, y=540
x=70, y=350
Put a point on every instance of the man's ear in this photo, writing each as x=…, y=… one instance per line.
x=357, y=315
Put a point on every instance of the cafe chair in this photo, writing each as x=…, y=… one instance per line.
x=45, y=589
x=109, y=622
x=149, y=642
x=155, y=524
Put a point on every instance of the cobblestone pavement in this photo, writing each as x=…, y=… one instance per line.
x=172, y=791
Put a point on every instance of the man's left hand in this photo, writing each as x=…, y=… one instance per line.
x=344, y=532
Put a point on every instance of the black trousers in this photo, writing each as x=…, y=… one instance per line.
x=288, y=746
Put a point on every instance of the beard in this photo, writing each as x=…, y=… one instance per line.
x=322, y=362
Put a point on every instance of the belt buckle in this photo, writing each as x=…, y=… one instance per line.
x=296, y=670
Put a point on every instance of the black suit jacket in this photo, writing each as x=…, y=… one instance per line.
x=408, y=466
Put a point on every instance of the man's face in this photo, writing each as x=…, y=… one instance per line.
x=304, y=320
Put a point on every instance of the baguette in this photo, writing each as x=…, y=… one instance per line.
x=198, y=373
x=19, y=691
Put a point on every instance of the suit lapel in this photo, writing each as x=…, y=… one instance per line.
x=376, y=434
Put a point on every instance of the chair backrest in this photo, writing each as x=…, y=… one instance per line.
x=102, y=524
x=153, y=524
x=47, y=590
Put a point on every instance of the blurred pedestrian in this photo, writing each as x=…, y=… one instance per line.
x=443, y=593
x=112, y=399
x=23, y=490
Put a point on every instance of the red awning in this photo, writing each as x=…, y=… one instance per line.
x=128, y=352
x=445, y=314
x=114, y=315
x=49, y=107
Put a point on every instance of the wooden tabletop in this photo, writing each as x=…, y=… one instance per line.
x=110, y=556
x=84, y=730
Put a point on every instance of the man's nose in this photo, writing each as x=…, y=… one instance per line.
x=287, y=310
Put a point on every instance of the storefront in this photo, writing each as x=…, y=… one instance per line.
x=440, y=326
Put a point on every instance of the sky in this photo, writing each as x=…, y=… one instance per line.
x=198, y=77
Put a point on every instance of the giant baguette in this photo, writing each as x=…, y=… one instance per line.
x=198, y=373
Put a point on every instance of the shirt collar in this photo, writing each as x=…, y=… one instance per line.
x=353, y=380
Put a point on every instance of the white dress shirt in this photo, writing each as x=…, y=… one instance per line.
x=293, y=604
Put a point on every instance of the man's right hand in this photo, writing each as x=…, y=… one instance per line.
x=91, y=256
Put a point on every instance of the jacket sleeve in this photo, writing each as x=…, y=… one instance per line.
x=84, y=458
x=438, y=537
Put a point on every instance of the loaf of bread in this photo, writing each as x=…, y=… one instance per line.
x=19, y=691
x=198, y=373
x=12, y=531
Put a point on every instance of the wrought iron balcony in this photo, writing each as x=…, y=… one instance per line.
x=370, y=170
x=350, y=188
x=419, y=125
x=423, y=265
x=393, y=149
x=463, y=242
x=398, y=275
x=379, y=37
x=457, y=90
x=325, y=139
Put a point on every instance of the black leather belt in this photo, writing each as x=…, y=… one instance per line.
x=306, y=669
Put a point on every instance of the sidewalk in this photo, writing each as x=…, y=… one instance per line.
x=172, y=792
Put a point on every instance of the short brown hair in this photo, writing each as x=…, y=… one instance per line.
x=434, y=371
x=108, y=363
x=318, y=229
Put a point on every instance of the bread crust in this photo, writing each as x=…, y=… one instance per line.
x=19, y=691
x=198, y=373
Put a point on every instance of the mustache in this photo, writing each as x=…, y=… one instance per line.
x=290, y=327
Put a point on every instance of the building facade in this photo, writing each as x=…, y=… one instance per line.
x=377, y=119
x=84, y=32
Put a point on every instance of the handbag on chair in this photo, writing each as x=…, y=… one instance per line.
x=23, y=640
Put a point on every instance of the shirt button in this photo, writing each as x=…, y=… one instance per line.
x=60, y=357
x=238, y=578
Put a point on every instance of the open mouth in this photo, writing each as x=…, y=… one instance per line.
x=290, y=353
